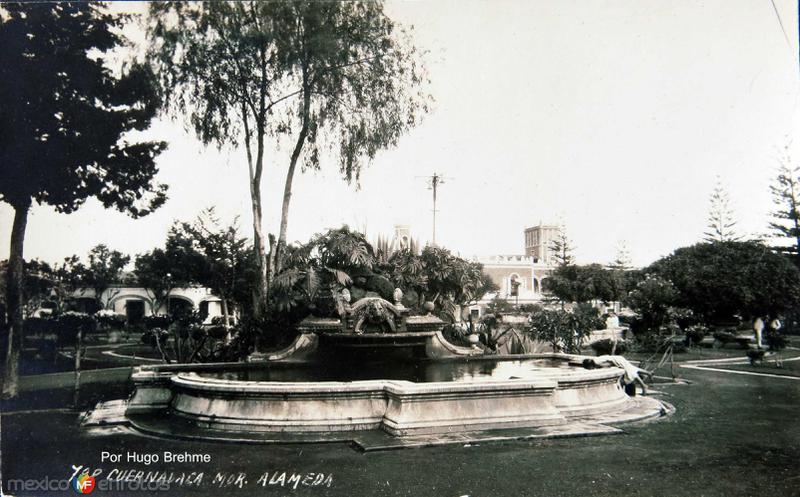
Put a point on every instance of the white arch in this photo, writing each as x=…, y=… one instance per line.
x=112, y=303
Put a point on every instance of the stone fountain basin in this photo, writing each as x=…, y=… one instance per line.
x=546, y=396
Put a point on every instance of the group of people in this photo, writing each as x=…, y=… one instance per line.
x=774, y=339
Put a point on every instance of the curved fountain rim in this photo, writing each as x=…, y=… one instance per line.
x=193, y=380
x=212, y=366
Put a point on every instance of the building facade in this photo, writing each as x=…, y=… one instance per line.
x=520, y=278
x=538, y=240
x=137, y=302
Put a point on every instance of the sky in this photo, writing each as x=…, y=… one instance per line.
x=613, y=118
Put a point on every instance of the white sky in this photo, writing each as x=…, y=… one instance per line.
x=613, y=117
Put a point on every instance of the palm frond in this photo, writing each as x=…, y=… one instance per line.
x=340, y=276
x=287, y=279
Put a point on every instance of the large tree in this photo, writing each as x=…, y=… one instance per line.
x=561, y=249
x=65, y=117
x=218, y=68
x=721, y=222
x=573, y=283
x=105, y=268
x=222, y=259
x=331, y=75
x=360, y=84
x=723, y=279
x=786, y=196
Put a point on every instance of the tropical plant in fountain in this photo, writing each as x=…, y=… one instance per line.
x=315, y=271
x=341, y=258
x=438, y=276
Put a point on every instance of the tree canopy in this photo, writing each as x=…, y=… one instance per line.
x=336, y=79
x=572, y=283
x=561, y=248
x=724, y=279
x=721, y=223
x=786, y=196
x=64, y=132
x=66, y=114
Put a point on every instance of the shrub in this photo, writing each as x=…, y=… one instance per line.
x=217, y=332
x=70, y=323
x=109, y=319
x=606, y=346
x=382, y=286
x=39, y=326
x=151, y=335
x=78, y=321
x=499, y=305
x=654, y=342
x=589, y=316
x=531, y=308
x=155, y=321
x=696, y=333
x=220, y=320
x=564, y=330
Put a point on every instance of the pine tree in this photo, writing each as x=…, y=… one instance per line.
x=721, y=225
x=622, y=260
x=786, y=195
x=561, y=248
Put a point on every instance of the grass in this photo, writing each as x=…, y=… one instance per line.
x=731, y=435
x=791, y=368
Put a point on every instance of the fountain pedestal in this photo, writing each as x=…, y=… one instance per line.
x=363, y=327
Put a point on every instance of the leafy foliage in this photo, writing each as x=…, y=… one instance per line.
x=721, y=224
x=653, y=299
x=571, y=283
x=561, y=248
x=341, y=258
x=338, y=76
x=216, y=257
x=725, y=279
x=66, y=131
x=563, y=330
x=66, y=113
x=321, y=268
x=104, y=269
x=786, y=195
x=181, y=338
x=606, y=346
x=499, y=305
x=38, y=282
x=438, y=276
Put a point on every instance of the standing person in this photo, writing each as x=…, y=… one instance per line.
x=775, y=340
x=758, y=328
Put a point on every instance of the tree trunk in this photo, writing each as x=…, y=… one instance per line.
x=225, y=317
x=255, y=167
x=287, y=189
x=14, y=301
x=79, y=344
x=258, y=246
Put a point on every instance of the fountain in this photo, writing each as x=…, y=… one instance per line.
x=376, y=369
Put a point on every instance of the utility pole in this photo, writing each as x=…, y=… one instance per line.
x=433, y=184
x=436, y=180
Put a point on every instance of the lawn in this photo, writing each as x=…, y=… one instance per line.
x=731, y=435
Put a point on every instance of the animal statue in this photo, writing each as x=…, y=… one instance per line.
x=374, y=314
